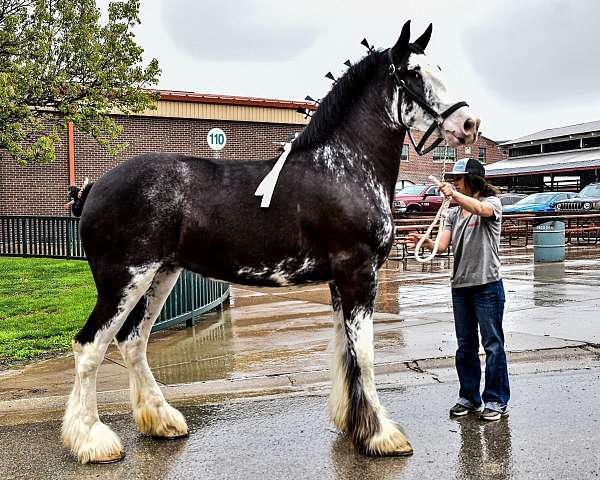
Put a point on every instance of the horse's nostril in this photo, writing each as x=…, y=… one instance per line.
x=469, y=125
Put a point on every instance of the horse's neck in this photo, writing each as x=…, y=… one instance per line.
x=378, y=146
x=366, y=140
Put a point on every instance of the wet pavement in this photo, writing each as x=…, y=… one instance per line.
x=552, y=433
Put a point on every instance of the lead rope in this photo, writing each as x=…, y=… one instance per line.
x=439, y=218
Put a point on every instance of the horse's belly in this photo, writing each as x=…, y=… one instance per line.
x=248, y=266
x=291, y=271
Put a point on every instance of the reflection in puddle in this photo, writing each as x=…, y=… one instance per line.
x=237, y=343
x=549, y=273
x=196, y=354
x=348, y=463
x=485, y=450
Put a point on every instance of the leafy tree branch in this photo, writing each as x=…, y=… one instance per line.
x=59, y=63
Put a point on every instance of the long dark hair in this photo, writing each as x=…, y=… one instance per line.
x=477, y=184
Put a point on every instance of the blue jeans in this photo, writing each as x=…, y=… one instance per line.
x=481, y=306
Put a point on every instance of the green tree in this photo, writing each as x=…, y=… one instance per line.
x=60, y=63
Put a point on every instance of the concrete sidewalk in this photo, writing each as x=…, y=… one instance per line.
x=275, y=340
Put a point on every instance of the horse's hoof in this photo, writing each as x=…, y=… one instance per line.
x=162, y=421
x=107, y=460
x=92, y=444
x=389, y=442
x=404, y=452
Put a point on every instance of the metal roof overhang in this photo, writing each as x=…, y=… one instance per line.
x=562, y=162
x=556, y=134
x=193, y=97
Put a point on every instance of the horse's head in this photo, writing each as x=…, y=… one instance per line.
x=423, y=101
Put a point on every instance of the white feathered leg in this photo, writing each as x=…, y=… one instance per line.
x=338, y=400
x=152, y=413
x=354, y=403
x=83, y=433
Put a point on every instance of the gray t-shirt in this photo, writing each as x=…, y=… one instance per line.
x=476, y=245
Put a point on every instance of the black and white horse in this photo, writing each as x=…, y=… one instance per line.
x=329, y=221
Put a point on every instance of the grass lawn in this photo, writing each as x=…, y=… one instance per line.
x=43, y=303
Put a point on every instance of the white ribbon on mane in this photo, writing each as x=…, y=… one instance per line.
x=267, y=186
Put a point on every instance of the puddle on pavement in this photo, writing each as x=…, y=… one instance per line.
x=277, y=331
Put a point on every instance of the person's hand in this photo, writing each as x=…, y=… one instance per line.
x=446, y=189
x=413, y=239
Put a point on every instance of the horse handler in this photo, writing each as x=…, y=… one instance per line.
x=477, y=290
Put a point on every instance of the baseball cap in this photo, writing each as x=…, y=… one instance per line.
x=468, y=166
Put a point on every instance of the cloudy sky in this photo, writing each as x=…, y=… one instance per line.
x=523, y=65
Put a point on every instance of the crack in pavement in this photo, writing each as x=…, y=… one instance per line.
x=414, y=366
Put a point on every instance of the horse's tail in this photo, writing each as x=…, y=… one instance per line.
x=78, y=198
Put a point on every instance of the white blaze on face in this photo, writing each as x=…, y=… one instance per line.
x=435, y=93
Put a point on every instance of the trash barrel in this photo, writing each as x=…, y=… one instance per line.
x=548, y=239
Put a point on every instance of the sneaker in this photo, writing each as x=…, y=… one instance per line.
x=491, y=415
x=459, y=410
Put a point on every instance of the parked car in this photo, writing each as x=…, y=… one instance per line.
x=418, y=198
x=510, y=198
x=585, y=201
x=538, y=202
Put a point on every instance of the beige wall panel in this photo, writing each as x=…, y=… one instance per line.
x=211, y=111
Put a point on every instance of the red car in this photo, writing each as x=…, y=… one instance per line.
x=418, y=198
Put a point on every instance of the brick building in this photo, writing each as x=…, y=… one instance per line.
x=417, y=168
x=180, y=124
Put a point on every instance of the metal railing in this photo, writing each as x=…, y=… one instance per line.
x=31, y=236
x=58, y=237
x=191, y=296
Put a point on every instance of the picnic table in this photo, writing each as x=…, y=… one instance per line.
x=404, y=226
x=580, y=228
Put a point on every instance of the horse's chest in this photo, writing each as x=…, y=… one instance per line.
x=381, y=221
x=384, y=231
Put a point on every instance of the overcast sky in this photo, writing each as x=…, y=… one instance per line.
x=523, y=65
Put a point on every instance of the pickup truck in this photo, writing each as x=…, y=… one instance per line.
x=418, y=198
x=588, y=200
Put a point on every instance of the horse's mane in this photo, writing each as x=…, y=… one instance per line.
x=338, y=101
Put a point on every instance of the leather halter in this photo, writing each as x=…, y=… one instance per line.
x=438, y=118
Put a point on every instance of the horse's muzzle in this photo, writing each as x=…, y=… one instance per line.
x=461, y=128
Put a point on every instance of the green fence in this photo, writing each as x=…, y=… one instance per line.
x=191, y=296
x=29, y=236
x=58, y=237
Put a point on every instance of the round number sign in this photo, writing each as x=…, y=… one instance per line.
x=216, y=139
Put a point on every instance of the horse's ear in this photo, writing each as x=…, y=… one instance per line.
x=423, y=40
x=399, y=50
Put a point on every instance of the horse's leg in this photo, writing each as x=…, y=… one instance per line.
x=338, y=400
x=82, y=431
x=152, y=413
x=355, y=406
